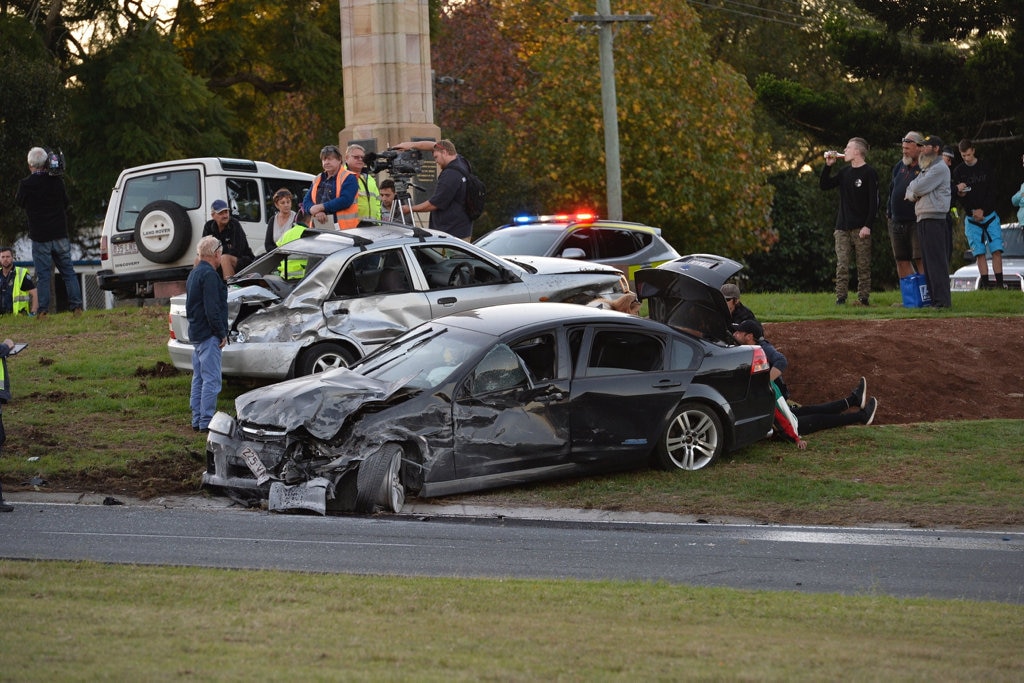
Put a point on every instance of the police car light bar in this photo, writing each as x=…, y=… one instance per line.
x=555, y=218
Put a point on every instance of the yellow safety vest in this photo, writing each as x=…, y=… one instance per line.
x=292, y=269
x=368, y=197
x=349, y=216
x=20, y=299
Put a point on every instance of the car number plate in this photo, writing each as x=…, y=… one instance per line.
x=124, y=249
x=256, y=465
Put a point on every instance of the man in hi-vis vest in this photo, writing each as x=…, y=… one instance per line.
x=333, y=196
x=17, y=291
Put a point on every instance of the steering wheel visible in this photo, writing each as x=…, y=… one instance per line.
x=461, y=275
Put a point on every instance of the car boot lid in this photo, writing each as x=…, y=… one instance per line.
x=686, y=293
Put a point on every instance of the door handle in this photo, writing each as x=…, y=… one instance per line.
x=340, y=311
x=446, y=300
x=666, y=384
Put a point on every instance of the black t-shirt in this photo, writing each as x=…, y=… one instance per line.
x=450, y=201
x=858, y=195
x=979, y=178
x=45, y=200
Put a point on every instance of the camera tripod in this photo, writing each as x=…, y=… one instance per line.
x=401, y=208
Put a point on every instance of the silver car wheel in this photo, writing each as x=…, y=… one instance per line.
x=693, y=439
x=323, y=356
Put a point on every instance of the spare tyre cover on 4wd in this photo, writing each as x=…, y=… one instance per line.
x=163, y=231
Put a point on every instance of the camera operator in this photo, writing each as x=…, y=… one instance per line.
x=45, y=199
x=447, y=206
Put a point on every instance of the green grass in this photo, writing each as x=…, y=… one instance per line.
x=86, y=621
x=791, y=307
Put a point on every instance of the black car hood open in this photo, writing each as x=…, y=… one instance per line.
x=319, y=403
x=686, y=294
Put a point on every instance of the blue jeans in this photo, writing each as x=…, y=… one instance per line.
x=44, y=256
x=205, y=381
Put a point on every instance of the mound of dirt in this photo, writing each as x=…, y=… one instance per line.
x=920, y=370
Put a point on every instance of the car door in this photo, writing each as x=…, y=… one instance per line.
x=457, y=278
x=626, y=381
x=511, y=413
x=373, y=299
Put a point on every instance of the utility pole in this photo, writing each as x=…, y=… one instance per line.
x=604, y=23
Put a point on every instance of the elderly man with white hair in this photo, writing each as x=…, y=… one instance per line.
x=45, y=200
x=206, y=306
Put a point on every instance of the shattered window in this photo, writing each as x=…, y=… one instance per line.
x=500, y=369
x=538, y=355
x=616, y=352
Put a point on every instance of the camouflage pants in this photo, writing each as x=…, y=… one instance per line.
x=848, y=244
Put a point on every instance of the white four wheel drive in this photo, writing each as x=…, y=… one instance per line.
x=156, y=214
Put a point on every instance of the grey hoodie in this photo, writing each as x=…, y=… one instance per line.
x=930, y=191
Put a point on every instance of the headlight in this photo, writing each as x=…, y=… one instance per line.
x=222, y=423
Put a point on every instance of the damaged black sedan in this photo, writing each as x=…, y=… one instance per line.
x=488, y=398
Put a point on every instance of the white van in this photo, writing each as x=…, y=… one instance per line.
x=156, y=215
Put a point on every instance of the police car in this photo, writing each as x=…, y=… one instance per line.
x=627, y=246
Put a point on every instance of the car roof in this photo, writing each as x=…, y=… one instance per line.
x=221, y=166
x=369, y=233
x=504, y=318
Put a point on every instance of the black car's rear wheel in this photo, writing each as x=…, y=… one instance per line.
x=379, y=481
x=693, y=439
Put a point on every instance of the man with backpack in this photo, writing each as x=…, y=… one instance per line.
x=448, y=205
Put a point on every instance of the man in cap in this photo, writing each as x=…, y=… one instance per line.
x=930, y=193
x=858, y=207
x=739, y=312
x=900, y=213
x=237, y=253
x=751, y=333
x=975, y=187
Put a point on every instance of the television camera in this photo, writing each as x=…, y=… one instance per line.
x=55, y=162
x=401, y=166
x=397, y=163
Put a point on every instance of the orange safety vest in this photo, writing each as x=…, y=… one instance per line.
x=349, y=216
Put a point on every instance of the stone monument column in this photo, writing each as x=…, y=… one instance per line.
x=385, y=60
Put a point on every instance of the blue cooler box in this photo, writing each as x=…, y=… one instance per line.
x=915, y=291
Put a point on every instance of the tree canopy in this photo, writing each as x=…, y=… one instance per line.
x=721, y=104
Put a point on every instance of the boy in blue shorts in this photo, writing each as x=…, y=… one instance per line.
x=974, y=183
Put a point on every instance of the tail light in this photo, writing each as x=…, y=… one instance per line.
x=170, y=329
x=760, y=362
x=104, y=252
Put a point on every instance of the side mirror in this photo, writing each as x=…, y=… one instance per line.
x=574, y=252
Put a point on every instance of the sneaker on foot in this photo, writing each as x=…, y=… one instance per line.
x=4, y=507
x=868, y=413
x=862, y=302
x=840, y=300
x=859, y=397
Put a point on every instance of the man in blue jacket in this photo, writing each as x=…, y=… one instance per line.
x=206, y=307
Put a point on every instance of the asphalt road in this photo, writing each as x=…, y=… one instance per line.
x=973, y=565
